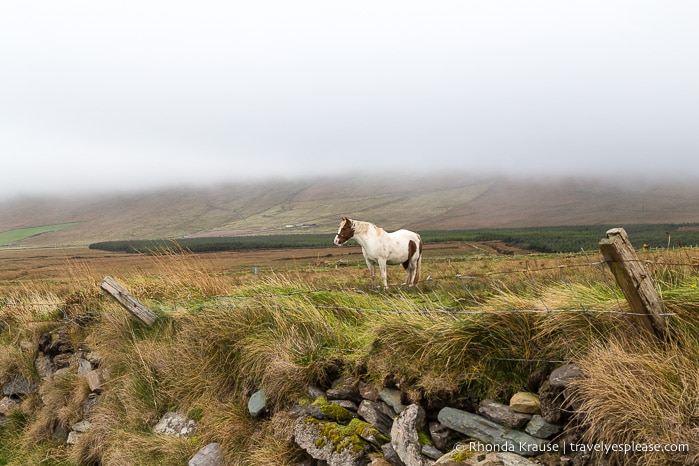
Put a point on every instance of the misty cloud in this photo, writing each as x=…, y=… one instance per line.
x=144, y=94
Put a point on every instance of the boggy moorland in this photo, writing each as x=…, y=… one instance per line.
x=480, y=326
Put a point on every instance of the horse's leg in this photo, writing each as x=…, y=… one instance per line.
x=382, y=269
x=372, y=272
x=410, y=280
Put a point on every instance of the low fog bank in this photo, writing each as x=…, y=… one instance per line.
x=408, y=181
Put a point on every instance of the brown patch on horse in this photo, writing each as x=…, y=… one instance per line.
x=346, y=232
x=412, y=249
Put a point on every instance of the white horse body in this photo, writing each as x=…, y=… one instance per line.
x=381, y=248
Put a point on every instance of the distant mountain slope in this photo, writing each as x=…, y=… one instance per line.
x=429, y=202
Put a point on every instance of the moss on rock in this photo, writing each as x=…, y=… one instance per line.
x=333, y=410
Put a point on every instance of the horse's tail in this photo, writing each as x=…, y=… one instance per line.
x=419, y=261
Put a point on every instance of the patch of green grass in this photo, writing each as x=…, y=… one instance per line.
x=19, y=234
x=221, y=337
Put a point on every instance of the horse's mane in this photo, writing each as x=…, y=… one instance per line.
x=363, y=227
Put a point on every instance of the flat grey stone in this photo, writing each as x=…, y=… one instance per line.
x=488, y=431
x=503, y=414
x=371, y=412
x=210, y=455
x=538, y=427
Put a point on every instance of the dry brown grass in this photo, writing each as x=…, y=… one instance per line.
x=639, y=391
x=224, y=332
x=266, y=441
x=62, y=400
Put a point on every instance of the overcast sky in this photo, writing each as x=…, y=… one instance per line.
x=132, y=94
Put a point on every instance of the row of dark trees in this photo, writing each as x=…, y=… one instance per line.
x=544, y=239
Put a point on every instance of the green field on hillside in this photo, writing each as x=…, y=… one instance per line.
x=545, y=239
x=13, y=236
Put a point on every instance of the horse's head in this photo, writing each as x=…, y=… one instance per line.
x=345, y=232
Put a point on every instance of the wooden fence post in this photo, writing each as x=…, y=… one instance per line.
x=132, y=304
x=635, y=281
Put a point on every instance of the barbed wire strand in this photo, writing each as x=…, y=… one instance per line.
x=604, y=277
x=570, y=287
x=468, y=290
x=452, y=312
x=536, y=292
x=502, y=294
x=461, y=279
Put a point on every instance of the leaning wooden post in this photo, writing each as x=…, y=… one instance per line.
x=132, y=304
x=635, y=281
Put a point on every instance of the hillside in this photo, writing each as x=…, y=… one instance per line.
x=428, y=202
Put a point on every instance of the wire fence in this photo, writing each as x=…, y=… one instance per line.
x=491, y=282
x=464, y=283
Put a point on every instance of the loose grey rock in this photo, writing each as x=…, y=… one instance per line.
x=314, y=392
x=392, y=397
x=390, y=455
x=19, y=386
x=175, y=424
x=368, y=392
x=372, y=435
x=347, y=404
x=488, y=431
x=257, y=403
x=92, y=399
x=95, y=379
x=372, y=413
x=432, y=452
x=95, y=358
x=538, y=427
x=441, y=436
x=82, y=426
x=7, y=404
x=564, y=375
x=503, y=414
x=73, y=437
x=344, y=389
x=210, y=455
x=84, y=366
x=404, y=436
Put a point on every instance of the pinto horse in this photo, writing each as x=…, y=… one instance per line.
x=380, y=248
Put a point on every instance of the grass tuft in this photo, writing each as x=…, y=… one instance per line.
x=221, y=336
x=639, y=392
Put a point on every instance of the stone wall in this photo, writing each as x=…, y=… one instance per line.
x=355, y=422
